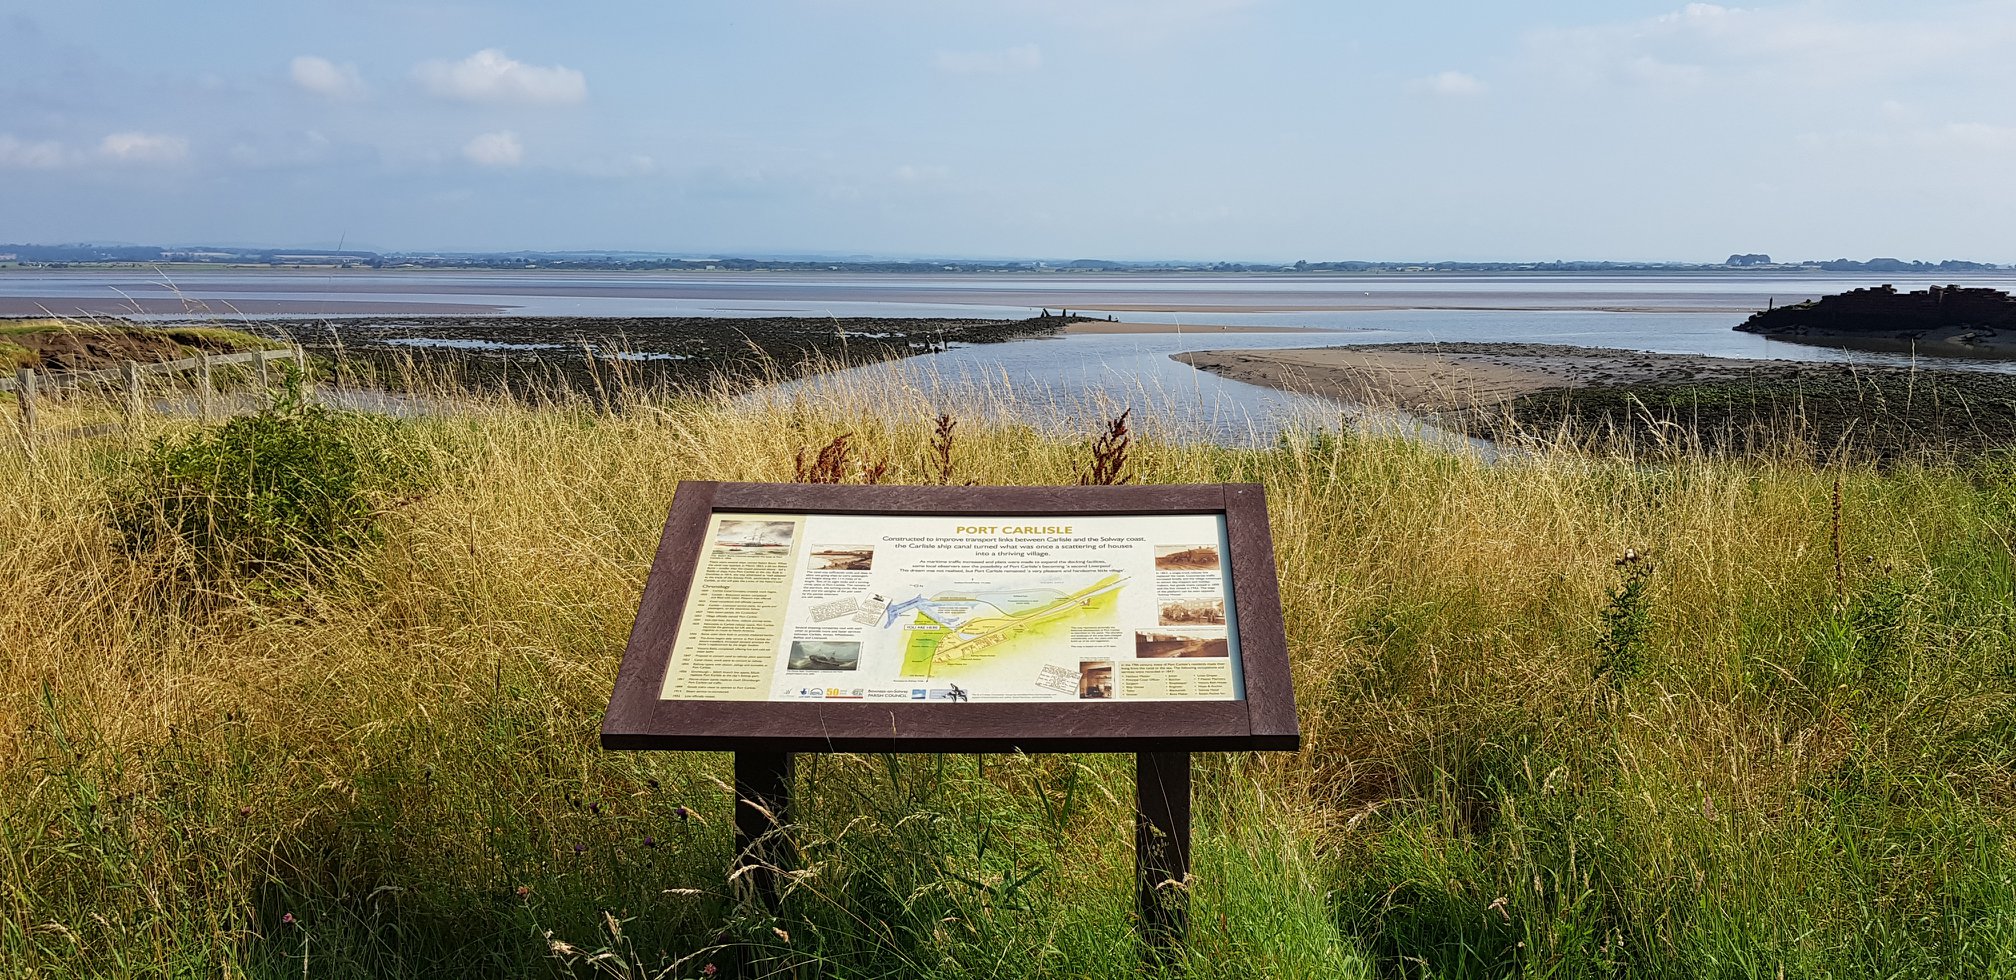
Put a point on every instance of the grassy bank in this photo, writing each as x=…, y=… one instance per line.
x=69, y=344
x=1780, y=741
x=1828, y=411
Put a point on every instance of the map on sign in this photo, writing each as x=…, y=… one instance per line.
x=970, y=609
x=952, y=630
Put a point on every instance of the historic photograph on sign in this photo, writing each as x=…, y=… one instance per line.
x=754, y=535
x=843, y=558
x=824, y=655
x=1193, y=612
x=1095, y=679
x=1155, y=644
x=1186, y=557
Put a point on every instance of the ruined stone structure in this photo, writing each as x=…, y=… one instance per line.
x=1970, y=316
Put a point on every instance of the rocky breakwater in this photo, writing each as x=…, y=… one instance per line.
x=1953, y=320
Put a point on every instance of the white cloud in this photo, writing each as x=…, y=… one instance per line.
x=1021, y=57
x=20, y=154
x=490, y=76
x=1780, y=46
x=326, y=78
x=1453, y=83
x=136, y=147
x=499, y=149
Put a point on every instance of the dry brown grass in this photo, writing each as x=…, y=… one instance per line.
x=1797, y=778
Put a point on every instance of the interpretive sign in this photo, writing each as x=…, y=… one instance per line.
x=782, y=618
x=802, y=617
x=881, y=608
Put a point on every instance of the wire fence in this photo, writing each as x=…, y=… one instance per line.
x=30, y=386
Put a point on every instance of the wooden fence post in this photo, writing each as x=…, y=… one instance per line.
x=203, y=388
x=24, y=390
x=1162, y=853
x=135, y=399
x=595, y=375
x=259, y=367
x=762, y=817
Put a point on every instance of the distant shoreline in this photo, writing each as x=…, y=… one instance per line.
x=1211, y=297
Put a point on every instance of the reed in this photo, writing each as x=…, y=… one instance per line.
x=1739, y=757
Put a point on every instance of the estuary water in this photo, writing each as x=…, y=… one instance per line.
x=1690, y=313
x=1303, y=300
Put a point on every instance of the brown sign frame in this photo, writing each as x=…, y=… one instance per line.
x=1265, y=720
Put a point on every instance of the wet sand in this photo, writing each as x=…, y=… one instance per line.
x=310, y=293
x=141, y=305
x=1634, y=402
x=1537, y=304
x=691, y=353
x=1434, y=378
x=1111, y=327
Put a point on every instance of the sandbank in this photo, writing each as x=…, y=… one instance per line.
x=1111, y=326
x=174, y=306
x=1432, y=378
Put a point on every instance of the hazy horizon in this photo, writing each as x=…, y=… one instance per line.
x=1132, y=130
x=818, y=255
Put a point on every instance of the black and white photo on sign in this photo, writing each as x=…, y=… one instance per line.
x=754, y=535
x=842, y=557
x=824, y=655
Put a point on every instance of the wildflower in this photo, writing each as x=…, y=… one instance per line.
x=580, y=849
x=682, y=813
x=524, y=891
x=287, y=920
x=650, y=841
x=708, y=970
x=595, y=808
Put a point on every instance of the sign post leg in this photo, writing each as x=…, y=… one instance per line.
x=1162, y=851
x=762, y=810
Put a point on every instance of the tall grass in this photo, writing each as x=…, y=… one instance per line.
x=395, y=772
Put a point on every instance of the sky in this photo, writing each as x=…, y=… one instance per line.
x=1122, y=129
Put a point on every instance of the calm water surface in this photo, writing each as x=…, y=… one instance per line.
x=1691, y=313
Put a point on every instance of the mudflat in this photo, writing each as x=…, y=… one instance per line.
x=1450, y=377
x=1633, y=401
x=141, y=305
x=1122, y=326
x=642, y=352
